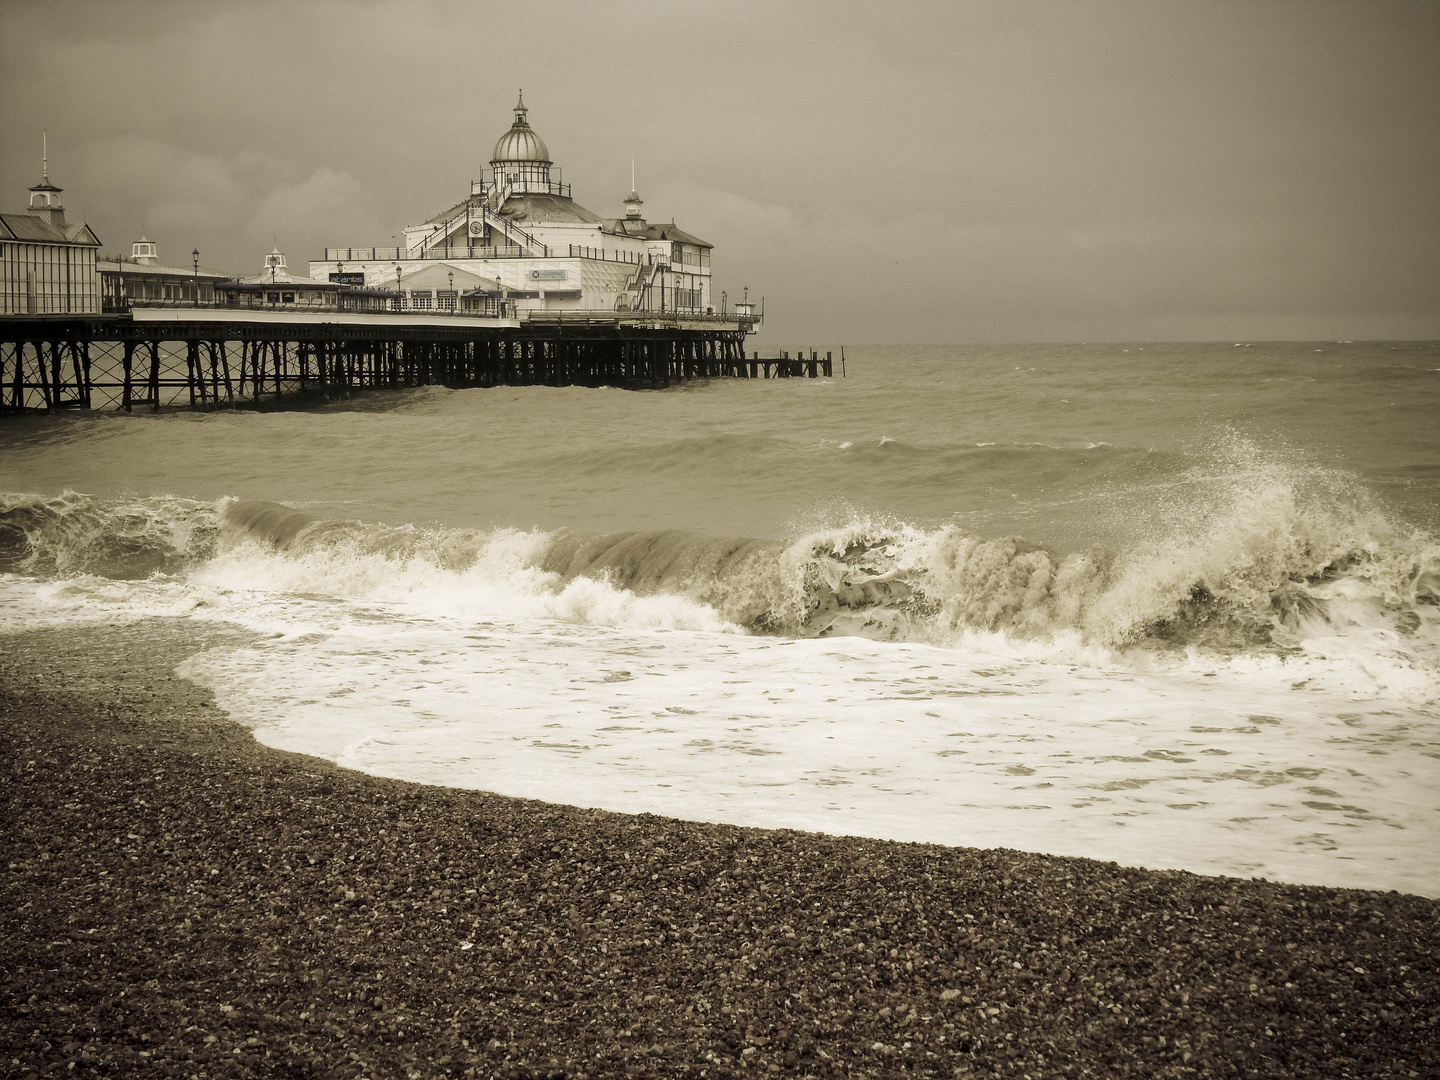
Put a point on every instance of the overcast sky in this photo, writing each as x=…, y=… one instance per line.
x=1057, y=170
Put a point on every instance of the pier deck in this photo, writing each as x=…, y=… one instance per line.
x=207, y=358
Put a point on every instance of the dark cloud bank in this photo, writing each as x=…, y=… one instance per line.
x=948, y=172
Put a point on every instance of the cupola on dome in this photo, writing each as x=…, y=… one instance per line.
x=520, y=143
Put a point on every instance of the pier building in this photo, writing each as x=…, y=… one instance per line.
x=515, y=285
x=47, y=264
x=520, y=236
x=140, y=279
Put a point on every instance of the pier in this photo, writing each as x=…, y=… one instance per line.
x=206, y=358
x=515, y=284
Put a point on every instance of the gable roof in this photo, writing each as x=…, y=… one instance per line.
x=28, y=227
x=436, y=275
x=671, y=232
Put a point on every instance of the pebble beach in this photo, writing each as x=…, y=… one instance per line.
x=182, y=901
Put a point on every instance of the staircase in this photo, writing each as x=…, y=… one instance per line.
x=636, y=286
x=478, y=212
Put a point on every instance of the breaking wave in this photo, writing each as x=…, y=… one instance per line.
x=123, y=540
x=1275, y=565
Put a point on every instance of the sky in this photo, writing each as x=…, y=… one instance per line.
x=1018, y=170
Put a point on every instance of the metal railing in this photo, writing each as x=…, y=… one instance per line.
x=578, y=251
x=396, y=254
x=510, y=229
x=494, y=190
x=476, y=251
x=642, y=318
x=492, y=308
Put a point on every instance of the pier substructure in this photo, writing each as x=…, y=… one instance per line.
x=98, y=362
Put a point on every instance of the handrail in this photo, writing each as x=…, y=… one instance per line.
x=394, y=254
x=603, y=316
x=510, y=229
x=579, y=251
x=383, y=306
x=492, y=189
x=504, y=224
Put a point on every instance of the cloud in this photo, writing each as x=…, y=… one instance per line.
x=927, y=171
x=232, y=207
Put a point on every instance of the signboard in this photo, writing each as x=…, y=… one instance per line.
x=355, y=279
x=547, y=275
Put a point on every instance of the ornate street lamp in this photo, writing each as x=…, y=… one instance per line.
x=195, y=257
x=399, y=296
x=453, y=304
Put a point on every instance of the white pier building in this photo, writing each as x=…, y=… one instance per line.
x=520, y=238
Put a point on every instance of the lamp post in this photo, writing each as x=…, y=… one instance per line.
x=195, y=258
x=453, y=304
x=399, y=296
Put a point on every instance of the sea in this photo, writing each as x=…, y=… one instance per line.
x=1168, y=605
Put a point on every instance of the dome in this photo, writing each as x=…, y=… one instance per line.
x=520, y=143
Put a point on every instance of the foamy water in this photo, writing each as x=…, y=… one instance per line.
x=1234, y=667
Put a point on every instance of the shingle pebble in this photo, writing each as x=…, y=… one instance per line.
x=182, y=901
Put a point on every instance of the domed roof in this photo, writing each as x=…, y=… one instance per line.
x=520, y=143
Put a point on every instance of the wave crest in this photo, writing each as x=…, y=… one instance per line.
x=1277, y=566
x=121, y=539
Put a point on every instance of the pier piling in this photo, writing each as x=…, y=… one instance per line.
x=116, y=362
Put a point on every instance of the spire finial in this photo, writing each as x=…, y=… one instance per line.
x=632, y=201
x=45, y=156
x=520, y=109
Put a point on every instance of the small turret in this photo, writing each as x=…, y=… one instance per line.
x=143, y=251
x=45, y=196
x=632, y=201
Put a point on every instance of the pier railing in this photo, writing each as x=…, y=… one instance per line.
x=658, y=319
x=474, y=251
x=391, y=305
x=579, y=251
x=399, y=254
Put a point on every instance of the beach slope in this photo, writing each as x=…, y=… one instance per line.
x=182, y=901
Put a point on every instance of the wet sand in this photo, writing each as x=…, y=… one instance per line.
x=182, y=901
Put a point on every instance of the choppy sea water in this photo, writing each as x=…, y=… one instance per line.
x=1172, y=605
